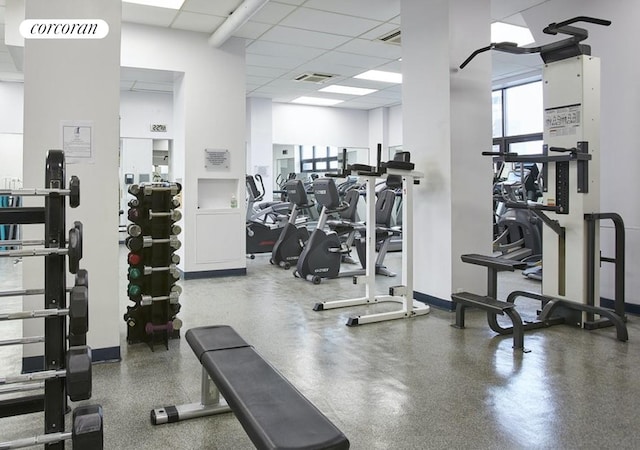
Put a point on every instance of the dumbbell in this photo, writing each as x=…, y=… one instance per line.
x=73, y=250
x=77, y=374
x=135, y=272
x=73, y=192
x=136, y=230
x=174, y=214
x=148, y=189
x=77, y=312
x=87, y=432
x=138, y=243
x=135, y=259
x=169, y=327
x=147, y=300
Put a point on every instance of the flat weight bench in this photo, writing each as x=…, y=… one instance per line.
x=272, y=411
x=489, y=302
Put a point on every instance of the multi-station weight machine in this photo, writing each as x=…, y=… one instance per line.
x=571, y=197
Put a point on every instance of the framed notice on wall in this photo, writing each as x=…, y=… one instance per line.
x=77, y=141
x=216, y=159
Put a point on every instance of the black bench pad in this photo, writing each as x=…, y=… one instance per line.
x=272, y=411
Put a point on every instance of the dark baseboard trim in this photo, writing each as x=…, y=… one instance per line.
x=213, y=273
x=631, y=308
x=439, y=303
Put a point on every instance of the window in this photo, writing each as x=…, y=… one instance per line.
x=318, y=158
x=518, y=119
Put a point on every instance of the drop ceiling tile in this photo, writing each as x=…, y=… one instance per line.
x=382, y=10
x=393, y=66
x=350, y=59
x=396, y=20
x=252, y=30
x=501, y=8
x=264, y=71
x=372, y=48
x=203, y=23
x=213, y=7
x=277, y=49
x=277, y=62
x=288, y=35
x=258, y=81
x=148, y=15
x=272, y=13
x=322, y=21
x=290, y=2
x=152, y=87
x=379, y=31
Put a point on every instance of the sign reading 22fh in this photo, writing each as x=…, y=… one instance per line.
x=158, y=128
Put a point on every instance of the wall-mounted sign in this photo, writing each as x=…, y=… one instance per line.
x=77, y=141
x=158, y=128
x=216, y=159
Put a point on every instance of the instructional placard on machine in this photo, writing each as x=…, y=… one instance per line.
x=216, y=159
x=563, y=120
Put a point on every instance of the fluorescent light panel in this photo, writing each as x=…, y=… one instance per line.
x=318, y=101
x=170, y=4
x=379, y=75
x=505, y=32
x=349, y=90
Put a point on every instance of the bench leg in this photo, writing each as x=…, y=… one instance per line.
x=518, y=329
x=211, y=402
x=459, y=316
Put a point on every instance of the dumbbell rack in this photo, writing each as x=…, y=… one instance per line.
x=152, y=271
x=54, y=399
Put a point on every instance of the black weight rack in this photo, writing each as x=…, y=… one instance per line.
x=153, y=273
x=53, y=401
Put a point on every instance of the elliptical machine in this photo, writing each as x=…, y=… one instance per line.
x=292, y=238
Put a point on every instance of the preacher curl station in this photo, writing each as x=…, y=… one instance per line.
x=152, y=242
x=570, y=164
x=67, y=369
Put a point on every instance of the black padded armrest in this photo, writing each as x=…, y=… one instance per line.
x=399, y=165
x=214, y=337
x=493, y=262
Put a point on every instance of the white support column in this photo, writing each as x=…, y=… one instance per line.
x=78, y=80
x=446, y=126
x=260, y=141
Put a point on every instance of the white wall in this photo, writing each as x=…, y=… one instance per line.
x=395, y=126
x=260, y=141
x=317, y=125
x=620, y=116
x=209, y=113
x=138, y=110
x=12, y=110
x=11, y=157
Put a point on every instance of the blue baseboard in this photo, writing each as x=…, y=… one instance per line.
x=439, y=303
x=214, y=273
x=98, y=355
x=629, y=307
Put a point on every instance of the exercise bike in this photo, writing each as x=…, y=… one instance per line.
x=290, y=243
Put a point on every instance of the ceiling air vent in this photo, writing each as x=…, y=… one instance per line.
x=314, y=77
x=393, y=37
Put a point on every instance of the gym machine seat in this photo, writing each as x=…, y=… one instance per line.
x=272, y=411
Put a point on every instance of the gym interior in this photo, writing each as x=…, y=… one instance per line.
x=190, y=259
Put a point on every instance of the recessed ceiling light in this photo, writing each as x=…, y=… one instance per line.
x=171, y=4
x=505, y=32
x=349, y=90
x=316, y=101
x=379, y=75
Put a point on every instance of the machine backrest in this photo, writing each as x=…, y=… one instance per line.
x=350, y=213
x=295, y=192
x=326, y=193
x=395, y=181
x=254, y=193
x=384, y=207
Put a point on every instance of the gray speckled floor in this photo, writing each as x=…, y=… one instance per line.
x=404, y=384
